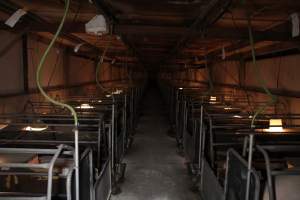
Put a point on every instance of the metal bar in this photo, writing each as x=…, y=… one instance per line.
x=76, y=141
x=24, y=165
x=27, y=151
x=251, y=143
x=272, y=194
x=202, y=156
x=25, y=63
x=46, y=142
x=286, y=172
x=69, y=185
x=50, y=171
x=113, y=140
x=99, y=146
x=91, y=168
x=211, y=142
x=23, y=198
x=200, y=141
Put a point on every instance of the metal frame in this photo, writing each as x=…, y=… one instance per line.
x=49, y=166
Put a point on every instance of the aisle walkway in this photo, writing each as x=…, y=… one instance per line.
x=154, y=170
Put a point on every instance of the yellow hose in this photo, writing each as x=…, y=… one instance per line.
x=41, y=64
x=63, y=105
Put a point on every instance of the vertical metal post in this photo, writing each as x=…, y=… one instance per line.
x=200, y=139
x=99, y=145
x=177, y=112
x=202, y=157
x=184, y=121
x=113, y=137
x=251, y=141
x=110, y=154
x=125, y=131
x=132, y=109
x=76, y=163
x=25, y=62
x=211, y=148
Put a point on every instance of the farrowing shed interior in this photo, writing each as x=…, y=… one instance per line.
x=149, y=100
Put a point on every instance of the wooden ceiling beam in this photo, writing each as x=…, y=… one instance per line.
x=211, y=33
x=30, y=18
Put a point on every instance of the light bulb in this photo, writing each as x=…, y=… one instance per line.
x=237, y=116
x=85, y=106
x=275, y=125
x=213, y=99
x=35, y=128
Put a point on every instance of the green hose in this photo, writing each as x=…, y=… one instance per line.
x=55, y=102
x=41, y=64
x=273, y=99
x=98, y=67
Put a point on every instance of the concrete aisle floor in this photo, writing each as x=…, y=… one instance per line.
x=154, y=170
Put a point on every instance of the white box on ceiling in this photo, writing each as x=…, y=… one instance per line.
x=97, y=26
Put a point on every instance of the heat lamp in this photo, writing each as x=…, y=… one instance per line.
x=85, y=106
x=275, y=125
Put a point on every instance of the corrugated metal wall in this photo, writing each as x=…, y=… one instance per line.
x=280, y=74
x=60, y=70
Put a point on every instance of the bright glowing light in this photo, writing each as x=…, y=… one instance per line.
x=117, y=92
x=213, y=99
x=275, y=125
x=228, y=108
x=108, y=95
x=99, y=101
x=237, y=116
x=250, y=116
x=35, y=128
x=3, y=126
x=85, y=106
x=180, y=88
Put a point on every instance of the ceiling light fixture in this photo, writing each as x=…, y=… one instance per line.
x=275, y=125
x=237, y=116
x=36, y=127
x=85, y=106
x=213, y=99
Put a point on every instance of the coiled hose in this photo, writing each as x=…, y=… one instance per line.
x=63, y=105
